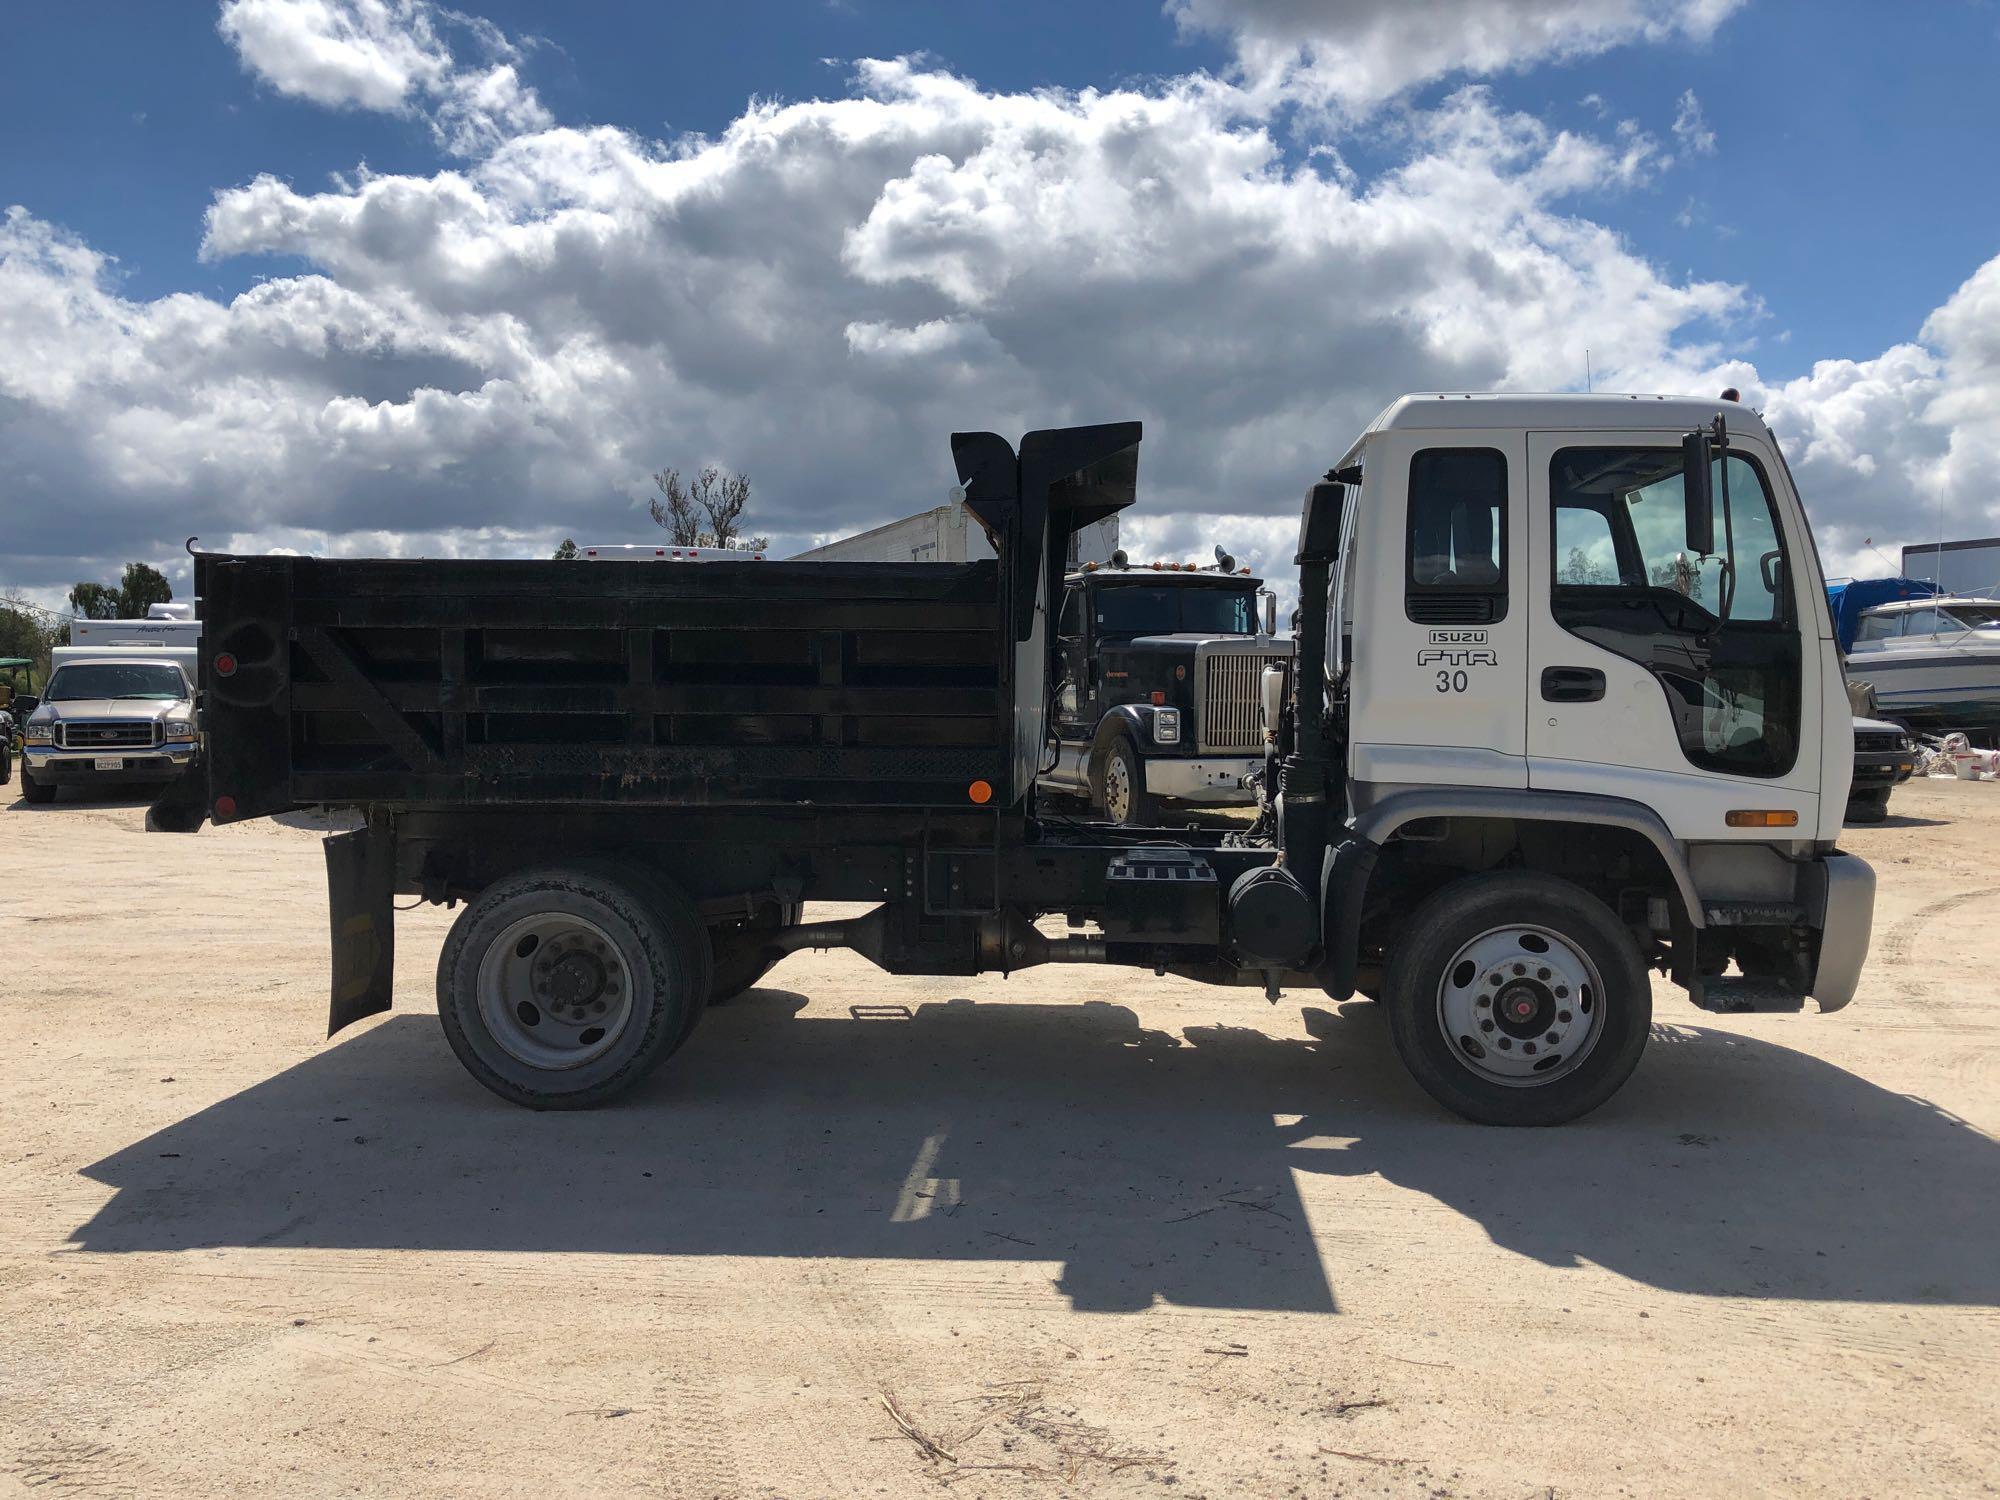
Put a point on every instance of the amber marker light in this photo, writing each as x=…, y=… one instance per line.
x=980, y=792
x=1762, y=817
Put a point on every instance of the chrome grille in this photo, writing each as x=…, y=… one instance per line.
x=108, y=734
x=1229, y=713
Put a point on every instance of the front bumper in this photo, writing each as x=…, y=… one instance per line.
x=1847, y=912
x=1875, y=769
x=79, y=767
x=1203, y=778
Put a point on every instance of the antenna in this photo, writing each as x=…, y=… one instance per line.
x=1588, y=384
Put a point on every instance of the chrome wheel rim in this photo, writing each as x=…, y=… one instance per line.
x=1117, y=788
x=1520, y=1006
x=555, y=991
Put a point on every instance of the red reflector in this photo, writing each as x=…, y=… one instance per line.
x=980, y=792
x=1158, y=697
x=225, y=806
x=225, y=664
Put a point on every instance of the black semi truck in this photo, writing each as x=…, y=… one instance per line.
x=1156, y=671
x=633, y=776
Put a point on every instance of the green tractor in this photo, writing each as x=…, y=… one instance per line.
x=16, y=702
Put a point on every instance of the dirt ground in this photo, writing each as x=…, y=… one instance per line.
x=1077, y=1232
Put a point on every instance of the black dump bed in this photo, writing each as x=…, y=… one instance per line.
x=663, y=683
x=697, y=683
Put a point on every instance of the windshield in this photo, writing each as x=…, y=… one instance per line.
x=1130, y=610
x=106, y=679
x=1974, y=616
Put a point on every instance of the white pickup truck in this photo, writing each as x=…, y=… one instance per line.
x=110, y=716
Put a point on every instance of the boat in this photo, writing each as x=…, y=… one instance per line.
x=1932, y=659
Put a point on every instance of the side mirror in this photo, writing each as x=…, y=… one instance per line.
x=1697, y=454
x=1271, y=697
x=1270, y=611
x=24, y=704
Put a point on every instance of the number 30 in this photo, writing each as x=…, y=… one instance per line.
x=1451, y=682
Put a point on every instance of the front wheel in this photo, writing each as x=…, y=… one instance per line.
x=1125, y=797
x=1868, y=807
x=37, y=792
x=1518, y=1000
x=560, y=989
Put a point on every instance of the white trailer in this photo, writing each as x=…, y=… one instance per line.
x=948, y=534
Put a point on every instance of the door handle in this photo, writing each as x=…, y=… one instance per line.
x=1572, y=684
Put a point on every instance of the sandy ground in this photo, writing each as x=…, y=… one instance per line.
x=1079, y=1232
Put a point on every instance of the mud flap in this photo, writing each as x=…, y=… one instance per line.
x=360, y=881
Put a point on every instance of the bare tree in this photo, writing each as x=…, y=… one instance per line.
x=706, y=513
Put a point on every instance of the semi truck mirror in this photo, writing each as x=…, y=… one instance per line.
x=1270, y=611
x=1271, y=697
x=1696, y=456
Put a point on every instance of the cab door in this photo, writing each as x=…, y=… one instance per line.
x=1436, y=575
x=1678, y=681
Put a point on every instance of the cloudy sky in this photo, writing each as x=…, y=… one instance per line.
x=378, y=276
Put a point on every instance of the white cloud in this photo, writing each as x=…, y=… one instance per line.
x=388, y=55
x=1691, y=127
x=1355, y=54
x=488, y=358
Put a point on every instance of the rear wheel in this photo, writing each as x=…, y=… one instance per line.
x=560, y=989
x=1518, y=1000
x=742, y=951
x=38, y=792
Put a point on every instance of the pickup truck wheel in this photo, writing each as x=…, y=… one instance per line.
x=1868, y=807
x=1125, y=797
x=37, y=792
x=560, y=989
x=1518, y=1000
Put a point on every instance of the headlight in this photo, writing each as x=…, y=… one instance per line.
x=1909, y=743
x=180, y=729
x=40, y=734
x=1166, y=726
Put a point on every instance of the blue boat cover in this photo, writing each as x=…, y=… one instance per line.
x=1850, y=596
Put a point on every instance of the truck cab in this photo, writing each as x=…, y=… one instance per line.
x=1155, y=671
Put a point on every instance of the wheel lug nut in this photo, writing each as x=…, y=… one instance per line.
x=1541, y=973
x=1563, y=1016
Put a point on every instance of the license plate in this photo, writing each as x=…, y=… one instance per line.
x=110, y=762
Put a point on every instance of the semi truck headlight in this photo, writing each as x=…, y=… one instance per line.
x=1166, y=726
x=176, y=730
x=40, y=734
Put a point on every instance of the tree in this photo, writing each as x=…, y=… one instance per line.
x=1680, y=573
x=31, y=631
x=94, y=601
x=707, y=513
x=566, y=552
x=1580, y=568
x=142, y=587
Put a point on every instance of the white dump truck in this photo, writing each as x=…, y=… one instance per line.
x=1566, y=706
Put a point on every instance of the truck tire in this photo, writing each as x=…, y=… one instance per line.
x=1517, y=999
x=38, y=792
x=1123, y=785
x=742, y=956
x=562, y=988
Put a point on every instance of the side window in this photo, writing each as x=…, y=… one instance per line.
x=1585, y=551
x=1715, y=631
x=1920, y=622
x=1071, y=620
x=1879, y=628
x=1457, y=536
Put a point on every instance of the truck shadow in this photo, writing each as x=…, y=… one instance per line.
x=1148, y=1166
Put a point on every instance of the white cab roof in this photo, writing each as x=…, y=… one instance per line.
x=1460, y=409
